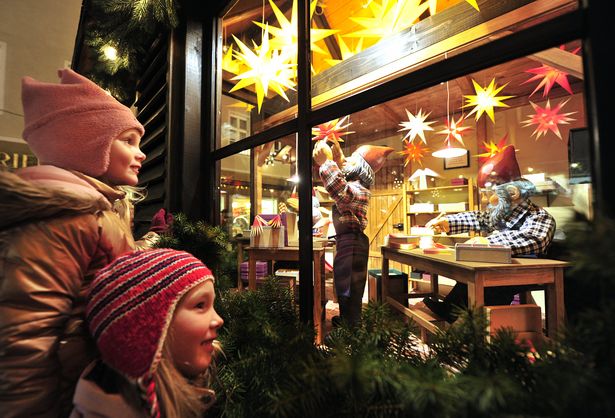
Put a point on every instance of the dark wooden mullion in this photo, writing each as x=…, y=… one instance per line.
x=304, y=163
x=597, y=50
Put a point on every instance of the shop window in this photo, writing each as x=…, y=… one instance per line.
x=533, y=106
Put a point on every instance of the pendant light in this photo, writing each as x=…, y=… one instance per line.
x=453, y=129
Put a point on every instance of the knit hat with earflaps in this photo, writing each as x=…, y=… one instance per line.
x=72, y=124
x=130, y=306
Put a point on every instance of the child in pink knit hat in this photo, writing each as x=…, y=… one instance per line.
x=60, y=222
x=152, y=316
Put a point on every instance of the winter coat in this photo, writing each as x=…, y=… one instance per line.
x=57, y=228
x=92, y=401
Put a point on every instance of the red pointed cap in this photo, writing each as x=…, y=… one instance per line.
x=374, y=155
x=500, y=168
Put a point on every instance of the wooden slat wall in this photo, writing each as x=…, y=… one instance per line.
x=380, y=205
x=153, y=112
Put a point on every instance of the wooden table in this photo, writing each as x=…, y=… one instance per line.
x=292, y=254
x=478, y=275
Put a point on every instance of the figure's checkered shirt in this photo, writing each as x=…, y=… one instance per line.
x=351, y=197
x=528, y=229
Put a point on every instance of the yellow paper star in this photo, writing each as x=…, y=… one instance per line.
x=228, y=63
x=345, y=50
x=433, y=4
x=485, y=99
x=285, y=37
x=416, y=125
x=266, y=69
x=389, y=17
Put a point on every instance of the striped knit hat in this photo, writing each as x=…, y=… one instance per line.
x=130, y=306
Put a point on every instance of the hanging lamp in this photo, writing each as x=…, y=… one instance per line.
x=453, y=130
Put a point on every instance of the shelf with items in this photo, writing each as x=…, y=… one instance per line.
x=424, y=204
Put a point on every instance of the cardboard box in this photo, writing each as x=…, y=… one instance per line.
x=289, y=222
x=521, y=318
x=453, y=207
x=421, y=207
x=459, y=181
x=268, y=238
x=485, y=253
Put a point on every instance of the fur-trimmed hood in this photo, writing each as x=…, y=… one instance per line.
x=41, y=192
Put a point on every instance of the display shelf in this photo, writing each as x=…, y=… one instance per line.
x=434, y=196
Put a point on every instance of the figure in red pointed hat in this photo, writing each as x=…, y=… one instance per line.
x=511, y=219
x=348, y=181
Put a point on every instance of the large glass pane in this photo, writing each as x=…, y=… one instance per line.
x=258, y=67
x=247, y=197
x=533, y=107
x=376, y=40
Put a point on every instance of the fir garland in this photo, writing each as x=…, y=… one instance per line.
x=129, y=26
x=271, y=368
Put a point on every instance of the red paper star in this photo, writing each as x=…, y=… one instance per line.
x=492, y=148
x=547, y=119
x=331, y=131
x=548, y=76
x=413, y=152
x=454, y=129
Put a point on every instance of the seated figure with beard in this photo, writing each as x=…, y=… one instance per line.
x=511, y=219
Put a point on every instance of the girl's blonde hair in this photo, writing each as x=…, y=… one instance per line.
x=178, y=397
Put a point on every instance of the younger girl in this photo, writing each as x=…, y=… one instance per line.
x=152, y=316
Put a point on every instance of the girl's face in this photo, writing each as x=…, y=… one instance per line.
x=125, y=160
x=194, y=328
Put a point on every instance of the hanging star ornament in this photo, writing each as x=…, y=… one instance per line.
x=331, y=131
x=285, y=38
x=549, y=76
x=267, y=69
x=547, y=119
x=414, y=152
x=416, y=126
x=388, y=17
x=492, y=148
x=228, y=63
x=454, y=129
x=433, y=5
x=485, y=99
x=345, y=51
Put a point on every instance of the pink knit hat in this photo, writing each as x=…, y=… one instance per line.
x=130, y=306
x=72, y=124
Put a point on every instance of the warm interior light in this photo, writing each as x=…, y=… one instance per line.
x=110, y=52
x=449, y=152
x=293, y=179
